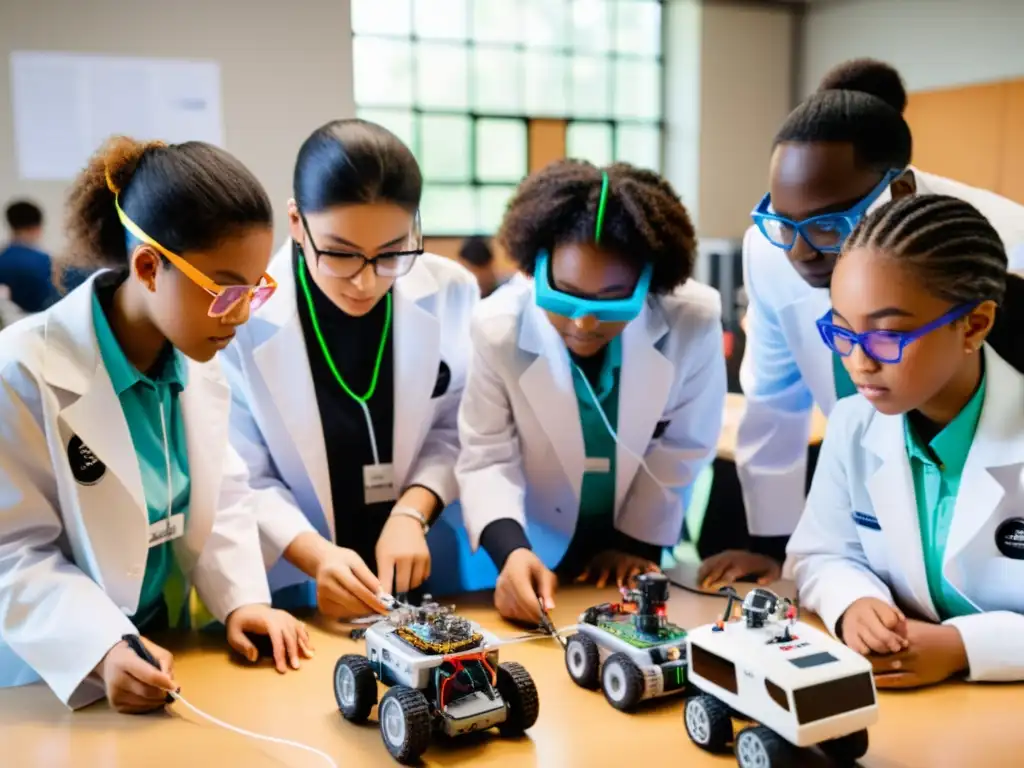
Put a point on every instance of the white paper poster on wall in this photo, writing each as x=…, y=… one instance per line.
x=66, y=105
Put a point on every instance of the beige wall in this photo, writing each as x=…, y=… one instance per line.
x=933, y=43
x=286, y=67
x=746, y=77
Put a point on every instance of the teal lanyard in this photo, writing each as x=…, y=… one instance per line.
x=330, y=360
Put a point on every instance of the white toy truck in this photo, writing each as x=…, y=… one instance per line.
x=443, y=677
x=629, y=649
x=800, y=687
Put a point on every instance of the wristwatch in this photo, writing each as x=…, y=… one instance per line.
x=402, y=509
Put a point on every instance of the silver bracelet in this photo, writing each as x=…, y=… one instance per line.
x=407, y=511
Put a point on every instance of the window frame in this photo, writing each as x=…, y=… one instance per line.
x=417, y=111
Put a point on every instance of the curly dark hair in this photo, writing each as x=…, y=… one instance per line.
x=644, y=220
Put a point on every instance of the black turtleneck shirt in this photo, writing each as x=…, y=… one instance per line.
x=353, y=343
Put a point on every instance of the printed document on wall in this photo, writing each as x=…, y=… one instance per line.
x=66, y=105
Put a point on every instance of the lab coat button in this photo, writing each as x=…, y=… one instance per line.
x=134, y=573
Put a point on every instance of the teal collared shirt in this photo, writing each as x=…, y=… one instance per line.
x=142, y=398
x=844, y=384
x=936, y=468
x=597, y=497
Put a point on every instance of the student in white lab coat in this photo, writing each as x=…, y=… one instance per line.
x=118, y=488
x=346, y=390
x=911, y=547
x=844, y=151
x=606, y=369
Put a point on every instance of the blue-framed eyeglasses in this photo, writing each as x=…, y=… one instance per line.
x=825, y=233
x=882, y=346
x=574, y=307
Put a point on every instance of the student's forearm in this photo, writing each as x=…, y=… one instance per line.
x=307, y=551
x=501, y=538
x=423, y=500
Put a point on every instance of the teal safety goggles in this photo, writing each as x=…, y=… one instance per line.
x=619, y=310
x=569, y=305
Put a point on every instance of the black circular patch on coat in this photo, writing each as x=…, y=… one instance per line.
x=1010, y=538
x=86, y=468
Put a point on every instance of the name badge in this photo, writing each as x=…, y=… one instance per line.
x=598, y=465
x=378, y=483
x=166, y=530
x=1010, y=538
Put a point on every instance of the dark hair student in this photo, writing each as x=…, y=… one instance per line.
x=187, y=197
x=353, y=161
x=959, y=257
x=644, y=222
x=364, y=364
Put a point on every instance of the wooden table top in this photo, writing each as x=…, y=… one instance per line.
x=956, y=725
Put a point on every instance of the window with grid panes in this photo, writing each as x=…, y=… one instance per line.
x=459, y=81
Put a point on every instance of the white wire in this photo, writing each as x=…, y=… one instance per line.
x=615, y=437
x=369, y=428
x=327, y=758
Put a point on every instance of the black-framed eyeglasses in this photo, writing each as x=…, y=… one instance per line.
x=394, y=261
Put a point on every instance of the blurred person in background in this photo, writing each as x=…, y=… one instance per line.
x=24, y=268
x=476, y=256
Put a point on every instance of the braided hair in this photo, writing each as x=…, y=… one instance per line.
x=958, y=255
x=644, y=220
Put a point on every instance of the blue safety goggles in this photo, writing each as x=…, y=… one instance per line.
x=574, y=307
x=825, y=233
x=882, y=346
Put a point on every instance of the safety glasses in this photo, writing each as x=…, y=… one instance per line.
x=394, y=261
x=825, y=233
x=574, y=307
x=226, y=298
x=882, y=346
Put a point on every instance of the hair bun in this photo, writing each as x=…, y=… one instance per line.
x=870, y=76
x=121, y=156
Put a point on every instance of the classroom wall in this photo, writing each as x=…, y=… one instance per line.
x=746, y=84
x=933, y=43
x=285, y=69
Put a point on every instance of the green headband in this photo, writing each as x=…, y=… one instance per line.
x=600, y=207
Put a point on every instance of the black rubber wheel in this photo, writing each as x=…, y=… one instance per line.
x=760, y=747
x=622, y=681
x=405, y=727
x=846, y=750
x=583, y=660
x=522, y=703
x=708, y=723
x=355, y=687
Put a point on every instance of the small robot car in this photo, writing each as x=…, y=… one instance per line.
x=799, y=686
x=629, y=649
x=443, y=677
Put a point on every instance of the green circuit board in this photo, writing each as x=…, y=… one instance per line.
x=627, y=632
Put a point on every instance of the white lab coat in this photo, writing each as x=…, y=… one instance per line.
x=864, y=475
x=73, y=554
x=522, y=444
x=276, y=421
x=787, y=369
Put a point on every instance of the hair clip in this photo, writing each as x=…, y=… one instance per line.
x=600, y=207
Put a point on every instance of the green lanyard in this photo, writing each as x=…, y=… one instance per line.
x=327, y=354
